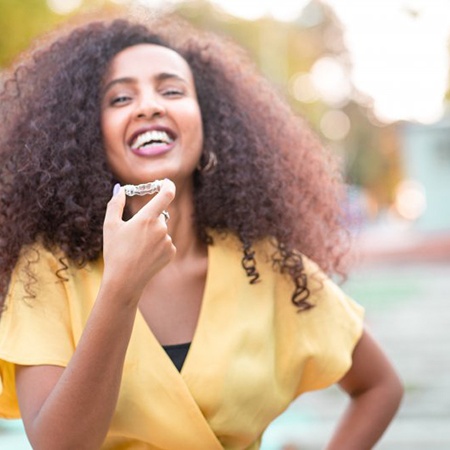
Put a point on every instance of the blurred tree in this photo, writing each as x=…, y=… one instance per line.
x=20, y=22
x=372, y=156
x=282, y=50
x=23, y=20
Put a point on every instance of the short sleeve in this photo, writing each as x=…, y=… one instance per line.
x=327, y=333
x=34, y=330
x=9, y=408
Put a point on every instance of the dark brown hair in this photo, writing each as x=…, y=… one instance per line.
x=273, y=177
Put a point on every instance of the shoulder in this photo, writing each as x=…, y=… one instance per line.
x=43, y=275
x=38, y=261
x=325, y=294
x=35, y=266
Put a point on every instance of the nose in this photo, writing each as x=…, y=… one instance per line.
x=149, y=107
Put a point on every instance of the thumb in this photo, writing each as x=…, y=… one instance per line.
x=116, y=205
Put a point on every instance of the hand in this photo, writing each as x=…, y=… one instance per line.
x=135, y=250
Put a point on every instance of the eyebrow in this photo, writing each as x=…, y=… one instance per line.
x=130, y=80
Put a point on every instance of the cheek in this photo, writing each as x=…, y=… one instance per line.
x=199, y=136
x=112, y=121
x=106, y=121
x=110, y=129
x=116, y=164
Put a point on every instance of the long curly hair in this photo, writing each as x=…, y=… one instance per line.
x=273, y=177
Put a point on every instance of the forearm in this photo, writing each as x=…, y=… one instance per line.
x=375, y=392
x=72, y=408
x=366, y=418
x=78, y=411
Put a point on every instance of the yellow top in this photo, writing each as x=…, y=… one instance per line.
x=251, y=355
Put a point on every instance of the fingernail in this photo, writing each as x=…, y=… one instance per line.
x=116, y=189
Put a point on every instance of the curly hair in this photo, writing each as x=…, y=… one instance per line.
x=273, y=177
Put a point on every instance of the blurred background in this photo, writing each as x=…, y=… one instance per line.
x=372, y=78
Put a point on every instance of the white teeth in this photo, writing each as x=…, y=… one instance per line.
x=150, y=137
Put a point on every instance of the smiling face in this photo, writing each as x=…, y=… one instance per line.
x=151, y=120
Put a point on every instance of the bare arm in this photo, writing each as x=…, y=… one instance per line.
x=72, y=408
x=375, y=393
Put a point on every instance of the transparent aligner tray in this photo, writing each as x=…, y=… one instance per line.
x=143, y=189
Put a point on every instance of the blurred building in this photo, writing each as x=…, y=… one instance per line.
x=425, y=192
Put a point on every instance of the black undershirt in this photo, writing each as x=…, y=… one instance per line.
x=177, y=353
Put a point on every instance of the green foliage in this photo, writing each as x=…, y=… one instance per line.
x=20, y=22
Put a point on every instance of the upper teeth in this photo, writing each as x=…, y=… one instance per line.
x=149, y=136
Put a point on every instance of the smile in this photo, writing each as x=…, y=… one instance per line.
x=151, y=138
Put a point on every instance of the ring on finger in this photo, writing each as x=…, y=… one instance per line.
x=166, y=215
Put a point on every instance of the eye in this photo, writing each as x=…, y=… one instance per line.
x=119, y=100
x=173, y=92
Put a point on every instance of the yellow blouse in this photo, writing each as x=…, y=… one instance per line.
x=251, y=355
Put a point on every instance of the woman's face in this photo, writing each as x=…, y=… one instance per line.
x=151, y=120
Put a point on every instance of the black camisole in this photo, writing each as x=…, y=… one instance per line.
x=177, y=353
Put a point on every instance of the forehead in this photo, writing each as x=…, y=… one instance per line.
x=148, y=59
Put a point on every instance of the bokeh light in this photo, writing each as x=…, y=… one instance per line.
x=335, y=125
x=331, y=81
x=398, y=51
x=302, y=88
x=283, y=10
x=410, y=200
x=64, y=6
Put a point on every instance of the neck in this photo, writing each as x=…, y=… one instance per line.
x=182, y=229
x=180, y=226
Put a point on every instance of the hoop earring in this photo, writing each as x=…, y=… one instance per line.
x=209, y=165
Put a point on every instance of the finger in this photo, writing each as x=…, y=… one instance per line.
x=116, y=205
x=164, y=217
x=160, y=201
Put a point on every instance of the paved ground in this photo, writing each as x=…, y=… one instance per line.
x=406, y=300
x=12, y=436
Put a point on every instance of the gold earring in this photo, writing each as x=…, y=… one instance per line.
x=210, y=164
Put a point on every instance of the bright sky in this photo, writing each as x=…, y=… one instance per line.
x=400, y=54
x=399, y=48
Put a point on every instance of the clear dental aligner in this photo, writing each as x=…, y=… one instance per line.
x=143, y=189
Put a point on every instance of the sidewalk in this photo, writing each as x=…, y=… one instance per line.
x=12, y=436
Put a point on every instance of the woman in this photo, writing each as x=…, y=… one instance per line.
x=187, y=319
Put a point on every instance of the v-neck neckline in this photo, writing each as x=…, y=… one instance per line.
x=163, y=356
x=165, y=372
